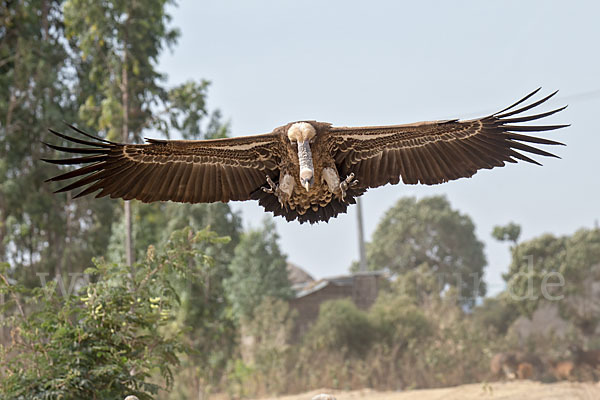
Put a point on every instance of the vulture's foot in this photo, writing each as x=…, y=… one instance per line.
x=276, y=190
x=347, y=183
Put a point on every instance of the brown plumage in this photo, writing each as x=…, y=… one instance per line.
x=309, y=171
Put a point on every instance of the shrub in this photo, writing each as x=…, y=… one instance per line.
x=341, y=327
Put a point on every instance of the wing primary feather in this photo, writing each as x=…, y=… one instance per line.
x=90, y=136
x=79, y=150
x=495, y=146
x=530, y=149
x=77, y=160
x=80, y=182
x=533, y=128
x=75, y=140
x=531, y=117
x=92, y=188
x=76, y=172
x=531, y=139
x=528, y=107
x=88, y=190
x=518, y=102
x=520, y=156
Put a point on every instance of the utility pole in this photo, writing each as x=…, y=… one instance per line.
x=361, y=237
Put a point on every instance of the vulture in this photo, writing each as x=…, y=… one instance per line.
x=307, y=171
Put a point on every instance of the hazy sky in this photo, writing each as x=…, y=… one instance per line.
x=390, y=62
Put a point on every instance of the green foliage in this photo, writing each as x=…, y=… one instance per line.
x=496, y=313
x=341, y=327
x=154, y=223
x=206, y=314
x=117, y=45
x=398, y=322
x=558, y=269
x=429, y=231
x=109, y=338
x=39, y=232
x=531, y=263
x=509, y=232
x=270, y=333
x=258, y=270
x=185, y=108
x=421, y=285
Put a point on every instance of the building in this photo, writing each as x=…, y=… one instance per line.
x=362, y=288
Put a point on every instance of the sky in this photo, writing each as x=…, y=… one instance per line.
x=390, y=62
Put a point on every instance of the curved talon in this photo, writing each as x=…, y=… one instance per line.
x=349, y=182
x=273, y=187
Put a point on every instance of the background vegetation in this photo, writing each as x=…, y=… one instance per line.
x=82, y=319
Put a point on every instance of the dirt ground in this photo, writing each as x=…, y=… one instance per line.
x=518, y=390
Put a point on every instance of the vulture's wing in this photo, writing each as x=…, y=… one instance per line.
x=179, y=170
x=438, y=151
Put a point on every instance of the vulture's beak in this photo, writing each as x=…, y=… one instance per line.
x=306, y=180
x=306, y=165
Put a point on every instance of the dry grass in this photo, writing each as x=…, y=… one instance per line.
x=518, y=390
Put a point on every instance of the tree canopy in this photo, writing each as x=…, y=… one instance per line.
x=429, y=232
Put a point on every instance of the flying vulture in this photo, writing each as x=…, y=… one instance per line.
x=306, y=171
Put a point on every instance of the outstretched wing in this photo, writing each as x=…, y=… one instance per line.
x=199, y=171
x=439, y=151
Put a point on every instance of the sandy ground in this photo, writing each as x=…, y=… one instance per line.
x=525, y=390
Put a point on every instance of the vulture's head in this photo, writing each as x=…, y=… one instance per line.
x=303, y=134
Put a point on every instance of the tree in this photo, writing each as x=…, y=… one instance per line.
x=39, y=233
x=564, y=270
x=117, y=44
x=581, y=271
x=509, y=232
x=429, y=232
x=532, y=262
x=258, y=270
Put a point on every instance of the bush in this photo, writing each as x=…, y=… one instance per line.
x=341, y=327
x=398, y=322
